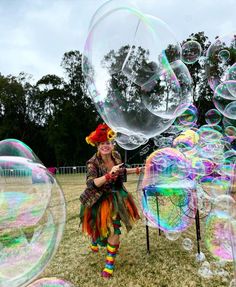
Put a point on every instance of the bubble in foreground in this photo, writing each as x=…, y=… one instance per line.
x=32, y=218
x=130, y=142
x=186, y=140
x=187, y=244
x=224, y=101
x=50, y=282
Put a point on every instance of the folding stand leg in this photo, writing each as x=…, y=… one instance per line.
x=198, y=231
x=147, y=237
x=147, y=227
x=158, y=215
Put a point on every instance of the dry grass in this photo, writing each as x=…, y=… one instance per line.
x=168, y=265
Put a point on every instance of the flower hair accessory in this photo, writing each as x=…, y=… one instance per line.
x=102, y=133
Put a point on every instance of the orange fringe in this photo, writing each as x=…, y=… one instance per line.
x=86, y=226
x=132, y=208
x=105, y=217
x=104, y=223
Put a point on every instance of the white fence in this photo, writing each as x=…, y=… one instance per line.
x=82, y=169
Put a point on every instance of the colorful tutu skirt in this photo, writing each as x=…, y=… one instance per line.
x=105, y=217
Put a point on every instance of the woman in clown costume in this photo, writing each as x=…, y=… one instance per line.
x=105, y=203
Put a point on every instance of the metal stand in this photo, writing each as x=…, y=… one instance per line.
x=197, y=224
x=147, y=238
x=158, y=215
x=198, y=231
x=147, y=227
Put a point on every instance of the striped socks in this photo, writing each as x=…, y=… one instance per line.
x=94, y=247
x=110, y=260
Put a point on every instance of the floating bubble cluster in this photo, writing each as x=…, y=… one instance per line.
x=32, y=214
x=196, y=174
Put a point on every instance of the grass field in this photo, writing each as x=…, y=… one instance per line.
x=168, y=264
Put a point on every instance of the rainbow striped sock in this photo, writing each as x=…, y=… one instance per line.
x=110, y=260
x=94, y=247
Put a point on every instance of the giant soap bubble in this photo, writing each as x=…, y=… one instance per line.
x=121, y=73
x=14, y=147
x=167, y=196
x=32, y=218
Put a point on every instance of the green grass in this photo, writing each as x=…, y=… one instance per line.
x=168, y=264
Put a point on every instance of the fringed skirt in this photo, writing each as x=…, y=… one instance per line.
x=104, y=218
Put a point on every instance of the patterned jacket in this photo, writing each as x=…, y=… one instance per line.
x=96, y=168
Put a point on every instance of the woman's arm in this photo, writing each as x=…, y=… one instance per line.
x=133, y=170
x=110, y=176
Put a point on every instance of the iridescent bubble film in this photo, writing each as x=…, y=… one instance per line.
x=14, y=147
x=213, y=117
x=166, y=194
x=186, y=141
x=136, y=79
x=32, y=218
x=220, y=234
x=187, y=119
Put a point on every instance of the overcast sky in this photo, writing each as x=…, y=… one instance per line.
x=36, y=33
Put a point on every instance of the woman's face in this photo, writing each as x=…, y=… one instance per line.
x=105, y=147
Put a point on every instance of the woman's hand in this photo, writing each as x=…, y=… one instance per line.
x=116, y=169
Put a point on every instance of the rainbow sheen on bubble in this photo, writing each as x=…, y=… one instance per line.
x=32, y=218
x=14, y=147
x=213, y=117
x=230, y=131
x=219, y=235
x=166, y=197
x=187, y=119
x=224, y=55
x=186, y=141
